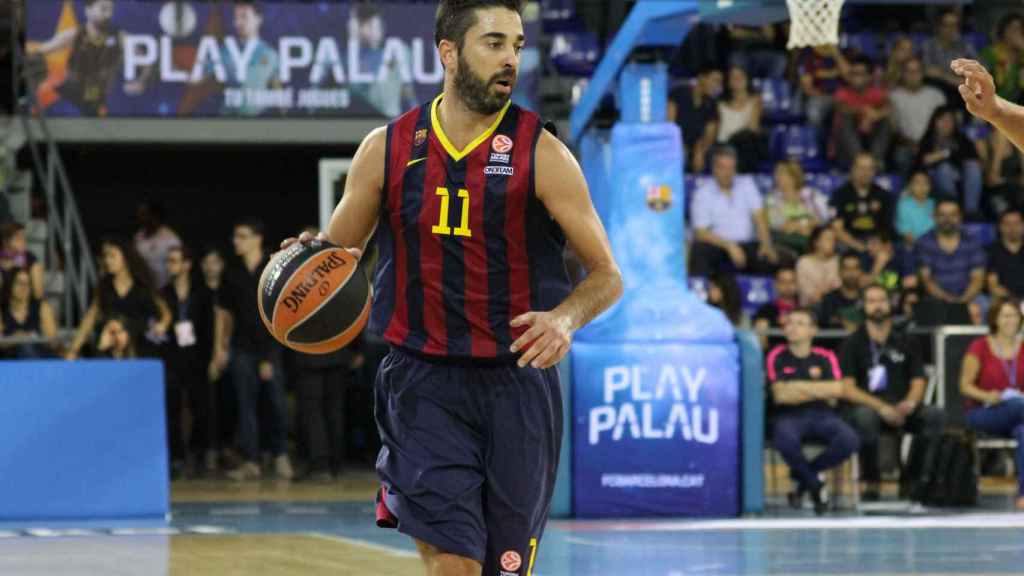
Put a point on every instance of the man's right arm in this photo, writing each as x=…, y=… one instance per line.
x=355, y=217
x=979, y=93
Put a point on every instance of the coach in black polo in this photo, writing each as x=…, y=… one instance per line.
x=883, y=362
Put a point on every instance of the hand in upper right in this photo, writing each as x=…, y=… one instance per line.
x=978, y=89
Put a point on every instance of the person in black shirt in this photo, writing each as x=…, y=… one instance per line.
x=255, y=358
x=883, y=362
x=772, y=314
x=23, y=315
x=841, y=308
x=116, y=340
x=1005, y=259
x=126, y=290
x=695, y=110
x=805, y=385
x=212, y=265
x=861, y=207
x=189, y=354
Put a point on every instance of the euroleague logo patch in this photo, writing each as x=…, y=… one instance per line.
x=501, y=144
x=511, y=561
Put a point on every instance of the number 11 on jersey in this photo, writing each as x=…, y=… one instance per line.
x=442, y=224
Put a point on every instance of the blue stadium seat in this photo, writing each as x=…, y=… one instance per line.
x=865, y=43
x=755, y=291
x=984, y=231
x=798, y=142
x=777, y=95
x=575, y=53
x=891, y=182
x=977, y=39
x=558, y=15
x=826, y=182
x=977, y=130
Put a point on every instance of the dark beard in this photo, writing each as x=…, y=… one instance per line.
x=879, y=317
x=476, y=93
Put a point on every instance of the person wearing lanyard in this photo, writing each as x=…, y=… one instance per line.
x=887, y=365
x=189, y=352
x=991, y=380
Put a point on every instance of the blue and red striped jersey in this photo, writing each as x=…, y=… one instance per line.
x=465, y=244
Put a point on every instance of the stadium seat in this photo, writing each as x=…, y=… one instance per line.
x=984, y=231
x=777, y=95
x=755, y=291
x=575, y=53
x=798, y=142
x=865, y=43
x=558, y=15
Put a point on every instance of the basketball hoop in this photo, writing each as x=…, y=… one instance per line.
x=813, y=22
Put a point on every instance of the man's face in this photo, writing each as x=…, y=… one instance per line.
x=863, y=171
x=785, y=284
x=949, y=27
x=876, y=305
x=213, y=265
x=1011, y=227
x=371, y=32
x=100, y=13
x=723, y=168
x=947, y=218
x=799, y=328
x=711, y=83
x=488, y=63
x=247, y=22
x=176, y=264
x=860, y=77
x=913, y=74
x=850, y=273
x=1014, y=35
x=246, y=241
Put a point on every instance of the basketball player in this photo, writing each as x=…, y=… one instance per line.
x=472, y=202
x=979, y=93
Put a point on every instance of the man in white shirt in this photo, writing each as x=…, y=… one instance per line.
x=730, y=229
x=913, y=104
x=154, y=241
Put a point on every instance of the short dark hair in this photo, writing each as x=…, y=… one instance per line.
x=946, y=200
x=1009, y=211
x=806, y=312
x=873, y=286
x=852, y=256
x=366, y=11
x=455, y=17
x=186, y=253
x=816, y=234
x=252, y=223
x=1006, y=21
x=251, y=4
x=996, y=307
x=862, y=61
x=723, y=150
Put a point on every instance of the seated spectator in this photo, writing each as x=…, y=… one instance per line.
x=116, y=339
x=773, y=314
x=941, y=49
x=915, y=208
x=755, y=49
x=913, y=103
x=861, y=207
x=730, y=228
x=1003, y=58
x=739, y=121
x=886, y=364
x=805, y=384
x=724, y=294
x=841, y=308
x=1005, y=258
x=154, y=241
x=24, y=316
x=794, y=209
x=900, y=52
x=817, y=273
x=885, y=262
x=950, y=157
x=822, y=70
x=862, y=118
x=694, y=109
x=951, y=265
x=992, y=381
x=15, y=256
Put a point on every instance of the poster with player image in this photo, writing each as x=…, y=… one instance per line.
x=123, y=58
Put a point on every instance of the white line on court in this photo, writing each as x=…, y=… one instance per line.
x=363, y=543
x=845, y=523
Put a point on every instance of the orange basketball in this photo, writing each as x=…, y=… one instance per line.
x=314, y=297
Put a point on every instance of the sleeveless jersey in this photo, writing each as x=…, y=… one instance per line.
x=464, y=243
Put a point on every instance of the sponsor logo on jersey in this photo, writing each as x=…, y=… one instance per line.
x=420, y=137
x=498, y=170
x=511, y=561
x=502, y=158
x=501, y=143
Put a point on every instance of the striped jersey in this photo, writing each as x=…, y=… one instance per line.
x=465, y=245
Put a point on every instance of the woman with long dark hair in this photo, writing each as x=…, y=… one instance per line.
x=14, y=255
x=950, y=157
x=25, y=316
x=125, y=289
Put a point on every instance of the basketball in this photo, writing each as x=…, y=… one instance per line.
x=314, y=297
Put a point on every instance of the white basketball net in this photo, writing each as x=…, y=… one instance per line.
x=813, y=22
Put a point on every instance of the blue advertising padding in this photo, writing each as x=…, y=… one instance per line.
x=82, y=440
x=656, y=429
x=752, y=403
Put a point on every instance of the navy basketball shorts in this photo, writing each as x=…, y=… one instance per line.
x=468, y=458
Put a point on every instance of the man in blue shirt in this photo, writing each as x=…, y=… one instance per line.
x=951, y=265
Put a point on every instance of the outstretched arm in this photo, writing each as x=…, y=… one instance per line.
x=979, y=93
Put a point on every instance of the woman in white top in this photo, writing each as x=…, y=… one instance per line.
x=817, y=273
x=739, y=121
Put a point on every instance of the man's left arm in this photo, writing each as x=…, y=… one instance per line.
x=917, y=379
x=562, y=188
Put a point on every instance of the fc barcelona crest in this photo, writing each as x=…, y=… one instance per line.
x=659, y=198
x=420, y=137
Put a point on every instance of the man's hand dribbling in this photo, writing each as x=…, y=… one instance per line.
x=306, y=238
x=978, y=89
x=550, y=335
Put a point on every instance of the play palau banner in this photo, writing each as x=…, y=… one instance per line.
x=148, y=58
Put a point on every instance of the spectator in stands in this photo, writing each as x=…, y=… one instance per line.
x=861, y=207
x=862, y=118
x=951, y=265
x=126, y=290
x=915, y=209
x=724, y=294
x=755, y=49
x=885, y=263
x=941, y=49
x=154, y=241
x=822, y=69
x=188, y=358
x=886, y=364
x=255, y=358
x=913, y=103
x=773, y=314
x=794, y=208
x=730, y=227
x=817, y=273
x=805, y=384
x=992, y=380
x=950, y=157
x=15, y=255
x=23, y=315
x=841, y=308
x=1005, y=258
x=116, y=339
x=739, y=121
x=901, y=51
x=1003, y=58
x=695, y=110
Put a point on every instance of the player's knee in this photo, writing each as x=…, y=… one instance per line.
x=440, y=563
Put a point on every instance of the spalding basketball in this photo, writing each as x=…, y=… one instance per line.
x=314, y=297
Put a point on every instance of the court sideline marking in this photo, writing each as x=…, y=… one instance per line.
x=961, y=521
